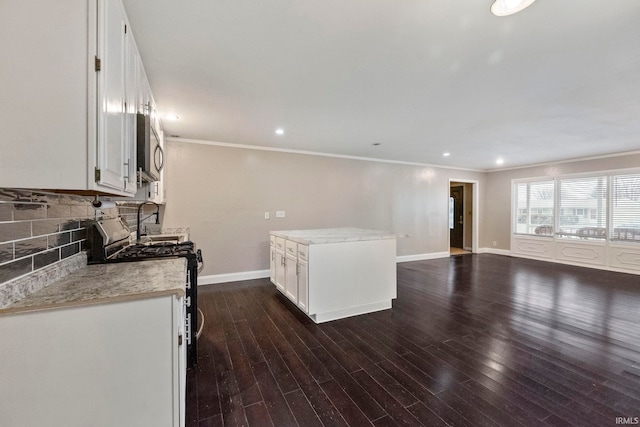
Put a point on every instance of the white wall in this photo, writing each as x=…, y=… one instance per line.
x=222, y=193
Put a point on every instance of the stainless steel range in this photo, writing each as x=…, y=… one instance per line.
x=109, y=242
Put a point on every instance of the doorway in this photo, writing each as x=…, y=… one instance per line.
x=463, y=204
x=456, y=217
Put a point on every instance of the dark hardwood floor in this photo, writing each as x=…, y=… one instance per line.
x=473, y=340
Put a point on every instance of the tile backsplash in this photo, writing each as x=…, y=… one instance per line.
x=39, y=228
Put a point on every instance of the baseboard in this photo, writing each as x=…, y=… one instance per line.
x=233, y=277
x=577, y=264
x=422, y=257
x=261, y=274
x=494, y=251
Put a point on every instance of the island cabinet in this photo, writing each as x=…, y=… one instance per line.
x=334, y=273
x=71, y=79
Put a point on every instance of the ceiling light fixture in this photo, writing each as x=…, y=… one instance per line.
x=509, y=7
x=499, y=161
x=170, y=116
x=279, y=131
x=446, y=154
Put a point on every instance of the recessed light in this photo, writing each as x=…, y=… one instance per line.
x=499, y=161
x=446, y=154
x=279, y=131
x=170, y=116
x=509, y=7
x=376, y=143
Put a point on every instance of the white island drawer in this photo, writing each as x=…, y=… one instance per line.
x=280, y=243
x=292, y=248
x=303, y=252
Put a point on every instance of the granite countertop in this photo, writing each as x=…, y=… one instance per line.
x=104, y=283
x=333, y=235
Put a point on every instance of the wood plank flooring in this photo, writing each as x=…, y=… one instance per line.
x=474, y=340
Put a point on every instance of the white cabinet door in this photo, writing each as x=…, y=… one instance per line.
x=132, y=87
x=112, y=150
x=280, y=273
x=291, y=277
x=303, y=285
x=272, y=264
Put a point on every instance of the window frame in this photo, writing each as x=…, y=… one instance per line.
x=609, y=229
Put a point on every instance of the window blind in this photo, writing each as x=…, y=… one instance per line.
x=534, y=208
x=625, y=207
x=582, y=208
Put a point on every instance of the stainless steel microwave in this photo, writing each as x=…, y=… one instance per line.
x=150, y=157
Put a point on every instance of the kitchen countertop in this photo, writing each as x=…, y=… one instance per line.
x=333, y=235
x=104, y=283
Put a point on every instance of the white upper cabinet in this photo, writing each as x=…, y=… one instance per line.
x=70, y=83
x=116, y=72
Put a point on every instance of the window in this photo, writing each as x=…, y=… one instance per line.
x=625, y=207
x=534, y=207
x=585, y=201
x=452, y=203
x=598, y=208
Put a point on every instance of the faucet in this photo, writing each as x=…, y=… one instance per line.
x=157, y=214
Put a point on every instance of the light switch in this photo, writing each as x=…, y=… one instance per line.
x=266, y=215
x=280, y=214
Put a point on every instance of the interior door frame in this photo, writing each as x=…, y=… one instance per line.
x=475, y=220
x=460, y=206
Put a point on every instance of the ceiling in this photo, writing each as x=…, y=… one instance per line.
x=559, y=80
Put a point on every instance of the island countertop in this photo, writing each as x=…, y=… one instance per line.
x=333, y=235
x=105, y=283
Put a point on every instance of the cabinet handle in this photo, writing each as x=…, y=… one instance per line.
x=297, y=269
x=283, y=260
x=273, y=256
x=126, y=164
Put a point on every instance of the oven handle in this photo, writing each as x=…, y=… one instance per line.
x=200, y=261
x=201, y=325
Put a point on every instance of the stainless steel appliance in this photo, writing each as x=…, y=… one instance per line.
x=109, y=242
x=150, y=157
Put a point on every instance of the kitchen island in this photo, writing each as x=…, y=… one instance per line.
x=333, y=273
x=101, y=346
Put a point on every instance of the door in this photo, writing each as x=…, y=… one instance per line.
x=272, y=265
x=112, y=126
x=280, y=275
x=456, y=217
x=291, y=277
x=303, y=285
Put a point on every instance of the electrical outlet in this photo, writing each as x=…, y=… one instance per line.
x=495, y=243
x=266, y=215
x=280, y=214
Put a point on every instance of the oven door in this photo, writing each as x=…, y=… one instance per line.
x=182, y=360
x=191, y=312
